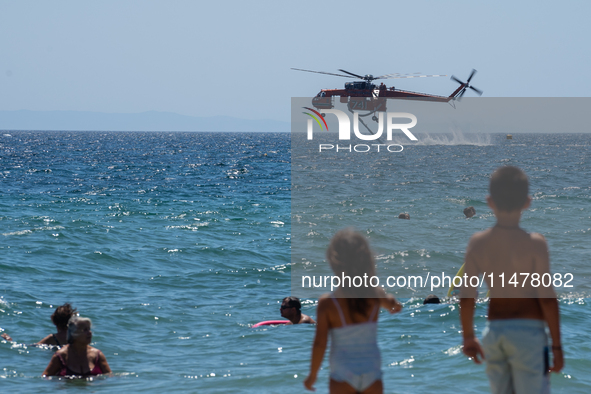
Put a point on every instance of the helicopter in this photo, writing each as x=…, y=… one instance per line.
x=364, y=95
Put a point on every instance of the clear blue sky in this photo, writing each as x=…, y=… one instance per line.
x=233, y=57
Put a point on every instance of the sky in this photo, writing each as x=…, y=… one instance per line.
x=233, y=58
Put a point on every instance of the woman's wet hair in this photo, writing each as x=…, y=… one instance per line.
x=73, y=326
x=349, y=255
x=509, y=188
x=62, y=315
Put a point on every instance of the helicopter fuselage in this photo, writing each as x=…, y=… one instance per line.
x=365, y=96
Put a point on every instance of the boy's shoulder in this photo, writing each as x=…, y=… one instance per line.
x=489, y=234
x=481, y=235
x=539, y=244
x=491, y=242
x=538, y=238
x=480, y=238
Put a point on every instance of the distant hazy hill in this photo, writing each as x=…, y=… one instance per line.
x=144, y=121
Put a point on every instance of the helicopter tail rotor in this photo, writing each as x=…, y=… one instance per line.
x=465, y=86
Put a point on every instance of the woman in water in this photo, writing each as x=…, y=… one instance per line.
x=350, y=316
x=78, y=358
x=60, y=318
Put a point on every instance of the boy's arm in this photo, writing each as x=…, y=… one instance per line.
x=472, y=346
x=552, y=317
x=468, y=296
x=320, y=342
x=548, y=302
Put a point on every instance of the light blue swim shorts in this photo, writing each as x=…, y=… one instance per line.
x=516, y=352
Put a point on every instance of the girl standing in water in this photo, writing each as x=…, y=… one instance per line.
x=350, y=316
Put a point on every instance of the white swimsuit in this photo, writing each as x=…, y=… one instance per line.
x=354, y=353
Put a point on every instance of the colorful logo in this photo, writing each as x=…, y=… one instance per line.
x=315, y=118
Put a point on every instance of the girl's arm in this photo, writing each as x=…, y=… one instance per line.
x=387, y=301
x=320, y=342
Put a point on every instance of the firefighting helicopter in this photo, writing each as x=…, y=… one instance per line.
x=365, y=96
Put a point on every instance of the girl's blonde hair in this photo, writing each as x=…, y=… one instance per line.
x=349, y=255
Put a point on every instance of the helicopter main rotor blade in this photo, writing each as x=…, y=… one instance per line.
x=471, y=75
x=391, y=75
x=321, y=72
x=388, y=76
x=399, y=76
x=355, y=75
x=478, y=91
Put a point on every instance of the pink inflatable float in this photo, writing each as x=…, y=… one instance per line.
x=270, y=322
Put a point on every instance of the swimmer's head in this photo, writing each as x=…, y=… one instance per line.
x=79, y=326
x=348, y=253
x=62, y=315
x=469, y=212
x=431, y=299
x=509, y=188
x=290, y=307
x=291, y=302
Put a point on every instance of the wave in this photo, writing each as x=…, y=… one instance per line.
x=454, y=138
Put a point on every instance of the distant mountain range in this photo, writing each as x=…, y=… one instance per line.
x=144, y=121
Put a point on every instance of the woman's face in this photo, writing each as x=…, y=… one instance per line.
x=83, y=332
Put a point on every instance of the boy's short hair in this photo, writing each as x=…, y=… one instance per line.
x=509, y=188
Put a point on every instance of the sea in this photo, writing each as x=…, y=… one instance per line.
x=175, y=244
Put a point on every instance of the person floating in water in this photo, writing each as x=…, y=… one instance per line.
x=469, y=212
x=431, y=299
x=349, y=316
x=291, y=310
x=514, y=342
x=78, y=358
x=60, y=318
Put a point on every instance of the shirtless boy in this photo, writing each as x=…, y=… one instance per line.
x=514, y=342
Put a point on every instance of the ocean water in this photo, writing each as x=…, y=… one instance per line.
x=174, y=244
